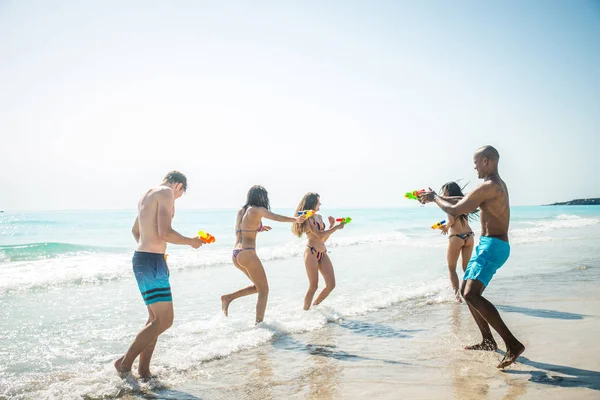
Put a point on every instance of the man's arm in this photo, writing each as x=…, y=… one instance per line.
x=136, y=230
x=166, y=208
x=423, y=198
x=451, y=199
x=468, y=203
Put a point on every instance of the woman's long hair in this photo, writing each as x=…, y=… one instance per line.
x=308, y=202
x=453, y=189
x=257, y=197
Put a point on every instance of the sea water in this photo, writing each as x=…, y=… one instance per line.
x=70, y=304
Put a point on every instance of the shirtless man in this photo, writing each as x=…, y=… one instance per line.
x=491, y=253
x=152, y=231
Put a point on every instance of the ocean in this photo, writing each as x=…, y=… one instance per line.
x=70, y=305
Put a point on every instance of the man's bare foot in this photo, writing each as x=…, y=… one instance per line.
x=486, y=345
x=457, y=295
x=225, y=305
x=119, y=367
x=145, y=378
x=511, y=355
x=144, y=374
x=121, y=371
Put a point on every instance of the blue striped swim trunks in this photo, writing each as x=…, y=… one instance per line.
x=152, y=276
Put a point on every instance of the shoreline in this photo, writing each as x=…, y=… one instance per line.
x=389, y=354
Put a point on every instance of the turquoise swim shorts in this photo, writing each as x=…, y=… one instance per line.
x=490, y=254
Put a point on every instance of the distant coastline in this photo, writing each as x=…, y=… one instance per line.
x=578, y=202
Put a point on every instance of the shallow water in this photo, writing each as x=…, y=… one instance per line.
x=71, y=305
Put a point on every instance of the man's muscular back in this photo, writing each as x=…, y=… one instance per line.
x=495, y=210
x=148, y=208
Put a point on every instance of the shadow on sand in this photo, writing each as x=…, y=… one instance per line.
x=376, y=330
x=537, y=312
x=154, y=390
x=286, y=342
x=168, y=394
x=581, y=378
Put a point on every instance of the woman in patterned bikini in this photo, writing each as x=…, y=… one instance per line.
x=248, y=224
x=315, y=254
x=461, y=238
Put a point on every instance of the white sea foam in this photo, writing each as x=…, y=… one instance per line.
x=541, y=231
x=182, y=352
x=97, y=268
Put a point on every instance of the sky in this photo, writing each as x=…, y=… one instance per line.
x=360, y=101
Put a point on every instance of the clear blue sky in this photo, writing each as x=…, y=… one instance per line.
x=359, y=101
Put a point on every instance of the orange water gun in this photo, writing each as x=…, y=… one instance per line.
x=206, y=237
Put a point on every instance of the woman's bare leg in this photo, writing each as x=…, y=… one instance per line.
x=454, y=247
x=312, y=271
x=466, y=252
x=326, y=268
x=248, y=261
x=226, y=299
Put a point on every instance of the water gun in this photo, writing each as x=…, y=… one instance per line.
x=206, y=237
x=345, y=220
x=438, y=225
x=308, y=213
x=414, y=195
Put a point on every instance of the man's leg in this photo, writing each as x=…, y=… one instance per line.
x=163, y=312
x=473, y=297
x=487, y=342
x=146, y=354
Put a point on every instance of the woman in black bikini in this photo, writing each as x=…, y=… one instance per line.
x=315, y=254
x=248, y=224
x=461, y=238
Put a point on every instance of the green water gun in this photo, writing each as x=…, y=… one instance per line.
x=414, y=195
x=345, y=220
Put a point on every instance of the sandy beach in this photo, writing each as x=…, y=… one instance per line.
x=390, y=354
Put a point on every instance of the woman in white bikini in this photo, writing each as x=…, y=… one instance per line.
x=316, y=258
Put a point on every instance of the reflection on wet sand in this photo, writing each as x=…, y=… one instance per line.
x=259, y=379
x=323, y=372
x=467, y=383
x=468, y=380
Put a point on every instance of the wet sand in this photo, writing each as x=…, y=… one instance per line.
x=416, y=351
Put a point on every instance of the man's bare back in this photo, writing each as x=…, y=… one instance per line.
x=152, y=228
x=150, y=240
x=495, y=209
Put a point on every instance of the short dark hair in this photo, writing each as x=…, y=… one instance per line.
x=176, y=177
